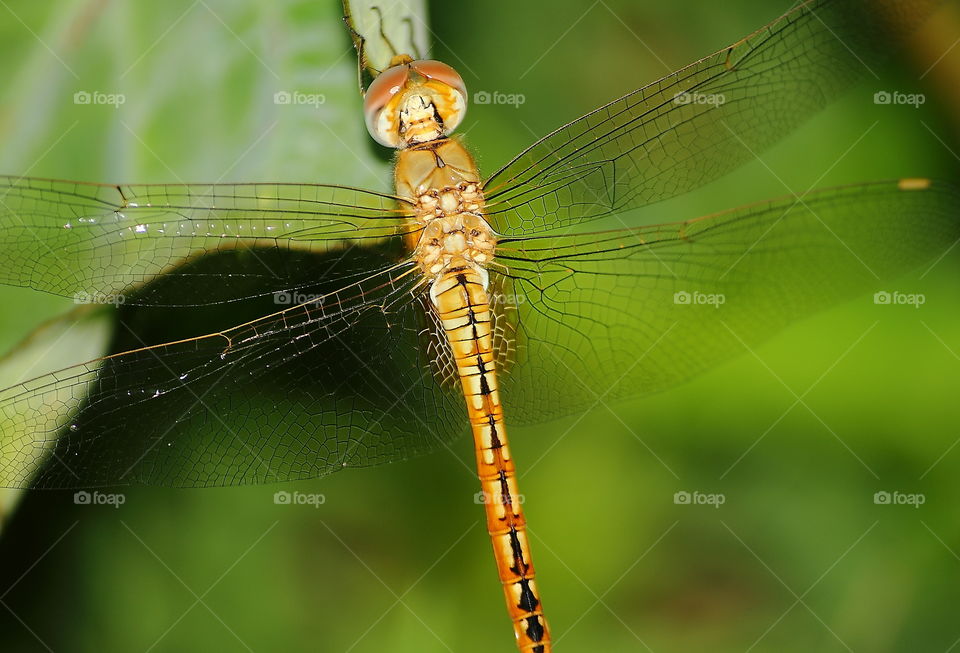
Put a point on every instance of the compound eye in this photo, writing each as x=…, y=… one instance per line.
x=449, y=93
x=383, y=116
x=433, y=69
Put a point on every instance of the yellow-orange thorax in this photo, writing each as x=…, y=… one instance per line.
x=441, y=179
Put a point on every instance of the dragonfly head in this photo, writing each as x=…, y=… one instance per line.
x=414, y=102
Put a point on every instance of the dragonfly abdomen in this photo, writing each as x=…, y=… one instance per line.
x=463, y=306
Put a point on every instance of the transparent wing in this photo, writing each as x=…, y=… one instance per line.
x=699, y=122
x=98, y=241
x=630, y=312
x=343, y=381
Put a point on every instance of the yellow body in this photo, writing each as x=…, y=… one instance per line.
x=452, y=249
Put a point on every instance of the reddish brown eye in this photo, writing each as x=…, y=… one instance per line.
x=387, y=84
x=441, y=72
x=448, y=92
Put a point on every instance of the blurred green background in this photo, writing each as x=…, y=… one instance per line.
x=798, y=558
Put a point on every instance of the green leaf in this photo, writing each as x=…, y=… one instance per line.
x=77, y=336
x=382, y=30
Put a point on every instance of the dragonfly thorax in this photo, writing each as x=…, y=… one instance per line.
x=440, y=180
x=435, y=203
x=455, y=241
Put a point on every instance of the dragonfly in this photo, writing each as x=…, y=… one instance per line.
x=395, y=322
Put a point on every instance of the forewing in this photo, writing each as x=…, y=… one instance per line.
x=701, y=121
x=101, y=243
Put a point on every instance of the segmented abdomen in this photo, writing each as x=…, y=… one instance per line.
x=463, y=305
